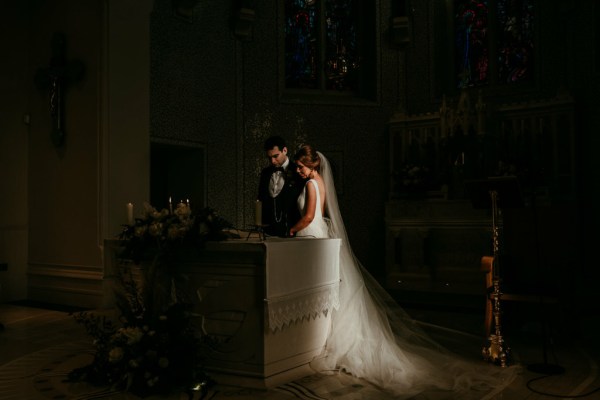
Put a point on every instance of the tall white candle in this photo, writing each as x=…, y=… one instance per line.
x=258, y=213
x=130, y=213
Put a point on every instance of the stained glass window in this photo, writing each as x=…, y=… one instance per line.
x=515, y=41
x=493, y=41
x=321, y=45
x=301, y=38
x=471, y=35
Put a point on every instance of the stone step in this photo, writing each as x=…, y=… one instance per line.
x=70, y=285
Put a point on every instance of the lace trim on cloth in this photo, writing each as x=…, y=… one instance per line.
x=284, y=310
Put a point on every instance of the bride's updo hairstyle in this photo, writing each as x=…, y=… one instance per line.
x=308, y=156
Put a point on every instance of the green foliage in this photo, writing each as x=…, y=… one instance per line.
x=155, y=347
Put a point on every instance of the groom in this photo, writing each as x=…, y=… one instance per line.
x=278, y=189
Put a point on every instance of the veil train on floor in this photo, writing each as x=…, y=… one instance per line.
x=372, y=337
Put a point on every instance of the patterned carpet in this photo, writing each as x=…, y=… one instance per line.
x=42, y=374
x=38, y=349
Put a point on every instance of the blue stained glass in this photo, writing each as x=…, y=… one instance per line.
x=321, y=50
x=515, y=44
x=471, y=43
x=513, y=34
x=301, y=38
x=341, y=53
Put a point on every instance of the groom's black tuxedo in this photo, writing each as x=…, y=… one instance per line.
x=280, y=213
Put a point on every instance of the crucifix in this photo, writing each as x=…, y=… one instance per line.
x=55, y=78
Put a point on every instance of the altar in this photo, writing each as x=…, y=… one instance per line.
x=264, y=306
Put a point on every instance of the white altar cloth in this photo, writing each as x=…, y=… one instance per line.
x=264, y=306
x=302, y=279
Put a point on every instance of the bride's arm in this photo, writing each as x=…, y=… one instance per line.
x=309, y=210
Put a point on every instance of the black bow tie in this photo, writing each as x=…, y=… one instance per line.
x=278, y=169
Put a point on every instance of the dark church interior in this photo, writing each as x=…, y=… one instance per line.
x=462, y=136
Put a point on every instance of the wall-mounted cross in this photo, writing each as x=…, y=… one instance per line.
x=55, y=78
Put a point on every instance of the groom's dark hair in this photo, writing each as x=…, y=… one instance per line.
x=274, y=141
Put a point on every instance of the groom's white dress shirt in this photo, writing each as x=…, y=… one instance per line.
x=277, y=181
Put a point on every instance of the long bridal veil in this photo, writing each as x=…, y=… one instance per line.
x=372, y=337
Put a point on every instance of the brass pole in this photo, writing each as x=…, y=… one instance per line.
x=496, y=350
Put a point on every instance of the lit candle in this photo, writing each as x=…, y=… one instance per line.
x=170, y=205
x=258, y=213
x=187, y=202
x=130, y=213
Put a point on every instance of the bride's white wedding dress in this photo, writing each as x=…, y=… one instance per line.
x=372, y=337
x=318, y=227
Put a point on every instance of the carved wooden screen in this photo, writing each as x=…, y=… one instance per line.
x=473, y=139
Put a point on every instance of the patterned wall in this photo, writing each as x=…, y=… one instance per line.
x=210, y=88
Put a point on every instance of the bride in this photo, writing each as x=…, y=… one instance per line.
x=371, y=337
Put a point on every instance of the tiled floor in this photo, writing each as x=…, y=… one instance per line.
x=39, y=346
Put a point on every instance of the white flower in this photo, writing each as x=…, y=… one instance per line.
x=141, y=230
x=155, y=229
x=133, y=335
x=183, y=211
x=173, y=232
x=148, y=210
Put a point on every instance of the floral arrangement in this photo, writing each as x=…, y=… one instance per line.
x=144, y=359
x=163, y=234
x=155, y=346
